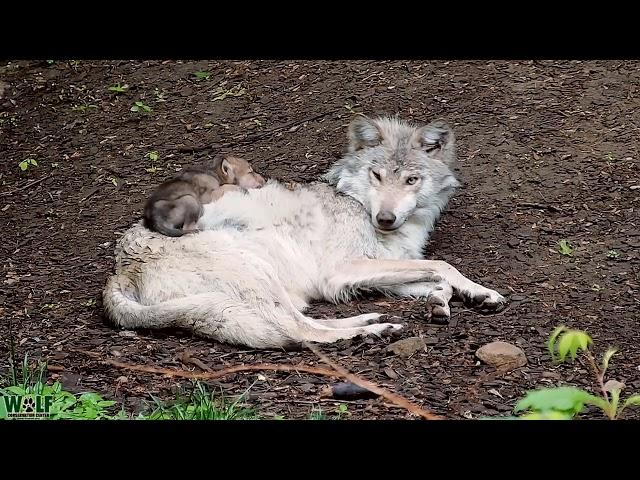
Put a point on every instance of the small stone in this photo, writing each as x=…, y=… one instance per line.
x=128, y=333
x=502, y=355
x=517, y=298
x=431, y=340
x=307, y=387
x=513, y=243
x=391, y=373
x=407, y=346
x=551, y=375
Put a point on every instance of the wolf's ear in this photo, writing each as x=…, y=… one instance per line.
x=363, y=132
x=437, y=139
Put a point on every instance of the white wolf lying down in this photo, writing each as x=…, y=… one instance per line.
x=262, y=256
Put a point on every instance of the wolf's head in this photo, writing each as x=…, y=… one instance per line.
x=394, y=168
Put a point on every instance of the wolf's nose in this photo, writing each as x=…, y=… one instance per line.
x=385, y=219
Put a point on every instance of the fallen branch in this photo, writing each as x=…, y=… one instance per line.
x=213, y=375
x=251, y=138
x=30, y=184
x=361, y=382
x=541, y=206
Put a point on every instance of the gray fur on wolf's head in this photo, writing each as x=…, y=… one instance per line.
x=397, y=169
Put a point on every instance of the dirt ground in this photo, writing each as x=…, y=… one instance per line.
x=547, y=151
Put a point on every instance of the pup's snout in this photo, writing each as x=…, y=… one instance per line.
x=385, y=220
x=252, y=181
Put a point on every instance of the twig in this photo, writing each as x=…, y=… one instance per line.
x=251, y=138
x=214, y=375
x=361, y=382
x=542, y=206
x=187, y=358
x=30, y=184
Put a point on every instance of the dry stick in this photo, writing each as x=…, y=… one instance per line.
x=541, y=206
x=213, y=375
x=31, y=184
x=361, y=382
x=250, y=138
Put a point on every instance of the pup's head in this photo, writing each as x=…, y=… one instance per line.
x=394, y=168
x=238, y=171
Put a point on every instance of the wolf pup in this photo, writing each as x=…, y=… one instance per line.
x=175, y=207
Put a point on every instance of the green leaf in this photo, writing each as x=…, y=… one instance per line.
x=153, y=156
x=606, y=357
x=550, y=415
x=632, y=400
x=569, y=400
x=572, y=341
x=552, y=339
x=565, y=248
x=16, y=390
x=135, y=108
x=202, y=75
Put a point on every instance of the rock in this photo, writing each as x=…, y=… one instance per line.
x=502, y=355
x=407, y=346
x=431, y=340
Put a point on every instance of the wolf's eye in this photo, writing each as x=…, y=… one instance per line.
x=376, y=174
x=412, y=180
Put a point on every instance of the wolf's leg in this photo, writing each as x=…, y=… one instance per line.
x=357, y=321
x=386, y=275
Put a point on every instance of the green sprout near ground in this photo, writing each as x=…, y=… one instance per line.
x=25, y=164
x=153, y=156
x=564, y=403
x=117, y=88
x=613, y=254
x=140, y=106
x=82, y=108
x=202, y=75
x=565, y=248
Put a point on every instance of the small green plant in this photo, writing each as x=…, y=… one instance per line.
x=342, y=410
x=613, y=254
x=153, y=156
x=113, y=180
x=317, y=414
x=567, y=402
x=25, y=164
x=82, y=108
x=28, y=383
x=140, y=106
x=565, y=248
x=202, y=75
x=200, y=405
x=50, y=62
x=350, y=108
x=91, y=303
x=117, y=88
x=160, y=96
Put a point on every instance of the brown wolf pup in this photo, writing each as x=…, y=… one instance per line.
x=175, y=207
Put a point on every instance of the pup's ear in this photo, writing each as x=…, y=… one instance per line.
x=363, y=132
x=437, y=139
x=227, y=169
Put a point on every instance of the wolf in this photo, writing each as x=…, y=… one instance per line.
x=179, y=202
x=261, y=257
